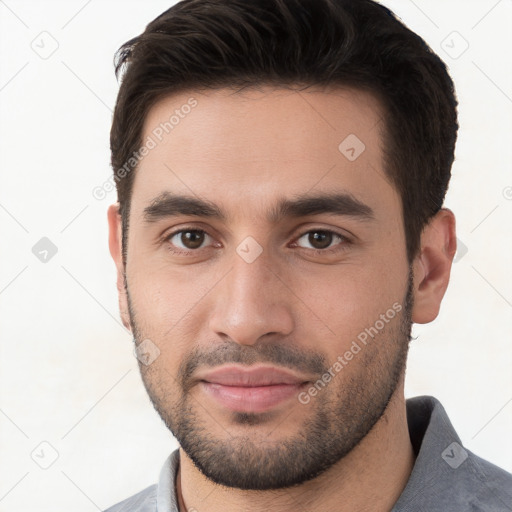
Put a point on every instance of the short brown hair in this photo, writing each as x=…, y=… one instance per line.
x=208, y=44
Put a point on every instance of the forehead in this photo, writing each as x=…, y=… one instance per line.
x=244, y=148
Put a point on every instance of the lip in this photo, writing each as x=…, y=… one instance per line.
x=251, y=389
x=250, y=376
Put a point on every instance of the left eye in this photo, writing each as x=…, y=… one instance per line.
x=320, y=239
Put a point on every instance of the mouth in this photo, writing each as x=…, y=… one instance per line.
x=251, y=389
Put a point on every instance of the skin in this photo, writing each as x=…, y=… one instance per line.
x=245, y=151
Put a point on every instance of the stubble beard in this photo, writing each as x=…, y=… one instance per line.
x=342, y=414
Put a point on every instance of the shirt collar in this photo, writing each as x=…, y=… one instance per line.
x=166, y=498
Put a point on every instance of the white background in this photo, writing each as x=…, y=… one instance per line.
x=68, y=375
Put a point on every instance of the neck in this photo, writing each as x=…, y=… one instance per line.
x=371, y=477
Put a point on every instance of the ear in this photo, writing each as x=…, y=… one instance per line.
x=432, y=266
x=116, y=250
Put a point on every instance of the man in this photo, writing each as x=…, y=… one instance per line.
x=281, y=167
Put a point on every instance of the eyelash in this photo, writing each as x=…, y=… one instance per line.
x=342, y=246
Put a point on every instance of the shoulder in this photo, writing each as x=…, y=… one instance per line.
x=488, y=486
x=143, y=501
x=475, y=485
x=446, y=475
x=161, y=495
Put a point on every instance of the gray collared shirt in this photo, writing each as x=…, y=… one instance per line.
x=445, y=477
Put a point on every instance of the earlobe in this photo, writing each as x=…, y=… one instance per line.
x=432, y=266
x=116, y=251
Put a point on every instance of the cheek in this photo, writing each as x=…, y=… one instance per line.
x=167, y=308
x=345, y=303
x=159, y=293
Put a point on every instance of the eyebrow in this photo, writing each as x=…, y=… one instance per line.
x=168, y=205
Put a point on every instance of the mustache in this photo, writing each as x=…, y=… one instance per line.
x=303, y=360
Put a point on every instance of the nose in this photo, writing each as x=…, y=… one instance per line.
x=251, y=302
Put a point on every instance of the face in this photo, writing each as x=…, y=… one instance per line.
x=266, y=269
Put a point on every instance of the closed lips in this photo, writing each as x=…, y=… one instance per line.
x=251, y=377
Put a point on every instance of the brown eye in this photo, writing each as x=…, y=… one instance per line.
x=188, y=239
x=320, y=239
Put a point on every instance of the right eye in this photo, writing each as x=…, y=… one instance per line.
x=188, y=240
